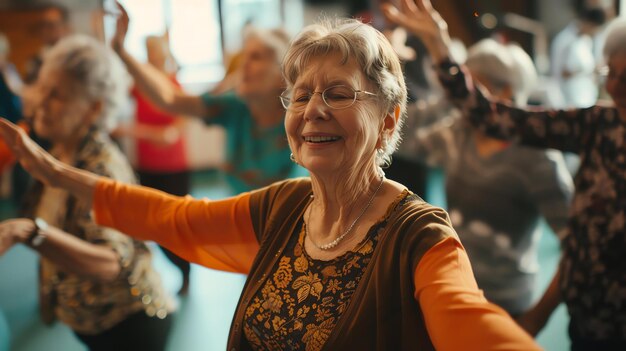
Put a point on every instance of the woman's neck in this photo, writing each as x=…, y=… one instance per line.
x=338, y=200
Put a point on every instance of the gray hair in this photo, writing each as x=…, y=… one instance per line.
x=276, y=39
x=504, y=65
x=373, y=53
x=94, y=68
x=615, y=38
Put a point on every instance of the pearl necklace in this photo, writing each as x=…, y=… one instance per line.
x=336, y=242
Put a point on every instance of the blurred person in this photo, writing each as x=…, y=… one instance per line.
x=592, y=273
x=96, y=280
x=498, y=191
x=573, y=62
x=52, y=26
x=160, y=145
x=257, y=152
x=343, y=260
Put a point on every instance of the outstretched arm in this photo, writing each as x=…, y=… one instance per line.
x=216, y=234
x=451, y=301
x=68, y=252
x=562, y=130
x=42, y=166
x=153, y=83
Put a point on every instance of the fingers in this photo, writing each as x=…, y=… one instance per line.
x=411, y=6
x=122, y=10
x=424, y=5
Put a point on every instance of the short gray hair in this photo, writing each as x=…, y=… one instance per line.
x=96, y=69
x=373, y=53
x=504, y=65
x=276, y=39
x=615, y=38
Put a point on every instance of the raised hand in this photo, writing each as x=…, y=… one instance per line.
x=33, y=158
x=420, y=18
x=121, y=28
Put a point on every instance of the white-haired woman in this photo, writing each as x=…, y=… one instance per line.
x=257, y=153
x=498, y=191
x=98, y=281
x=343, y=260
x=592, y=275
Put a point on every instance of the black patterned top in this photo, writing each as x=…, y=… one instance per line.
x=300, y=304
x=593, y=268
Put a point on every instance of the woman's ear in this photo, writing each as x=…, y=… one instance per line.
x=391, y=119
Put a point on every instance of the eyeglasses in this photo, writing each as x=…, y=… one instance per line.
x=336, y=97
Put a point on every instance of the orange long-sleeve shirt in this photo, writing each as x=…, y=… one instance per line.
x=220, y=235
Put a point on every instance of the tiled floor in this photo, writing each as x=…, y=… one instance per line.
x=204, y=316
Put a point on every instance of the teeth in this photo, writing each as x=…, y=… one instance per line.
x=320, y=139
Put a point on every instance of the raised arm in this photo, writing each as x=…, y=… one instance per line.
x=153, y=83
x=456, y=313
x=563, y=130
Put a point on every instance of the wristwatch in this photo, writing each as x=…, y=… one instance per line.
x=38, y=236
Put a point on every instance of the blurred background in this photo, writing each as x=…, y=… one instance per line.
x=204, y=36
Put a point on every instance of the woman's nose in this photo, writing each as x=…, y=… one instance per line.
x=316, y=108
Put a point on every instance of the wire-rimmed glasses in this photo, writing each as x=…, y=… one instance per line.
x=336, y=97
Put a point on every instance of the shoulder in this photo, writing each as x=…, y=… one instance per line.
x=417, y=227
x=283, y=192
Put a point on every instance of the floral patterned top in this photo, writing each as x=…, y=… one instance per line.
x=85, y=305
x=593, y=268
x=299, y=306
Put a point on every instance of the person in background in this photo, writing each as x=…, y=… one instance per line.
x=498, y=191
x=591, y=277
x=53, y=25
x=257, y=153
x=343, y=260
x=96, y=280
x=160, y=145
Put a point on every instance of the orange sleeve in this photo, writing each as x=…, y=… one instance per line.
x=215, y=234
x=457, y=315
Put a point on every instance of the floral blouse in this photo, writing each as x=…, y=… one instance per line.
x=593, y=268
x=299, y=306
x=85, y=305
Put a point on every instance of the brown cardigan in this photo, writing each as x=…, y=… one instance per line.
x=383, y=313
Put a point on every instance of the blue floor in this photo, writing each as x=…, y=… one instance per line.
x=204, y=316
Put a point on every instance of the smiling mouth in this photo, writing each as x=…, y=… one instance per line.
x=321, y=139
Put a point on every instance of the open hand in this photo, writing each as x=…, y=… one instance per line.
x=420, y=18
x=121, y=28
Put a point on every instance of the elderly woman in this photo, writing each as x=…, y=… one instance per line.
x=98, y=281
x=592, y=275
x=498, y=191
x=344, y=260
x=257, y=153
